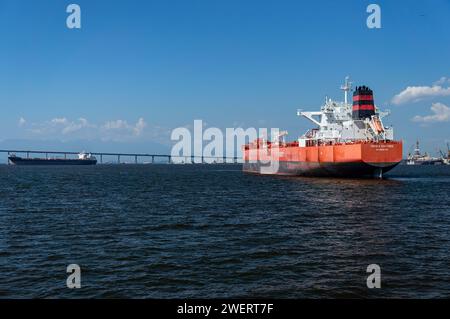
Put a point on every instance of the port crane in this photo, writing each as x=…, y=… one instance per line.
x=446, y=157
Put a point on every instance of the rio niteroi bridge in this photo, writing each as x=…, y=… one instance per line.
x=134, y=158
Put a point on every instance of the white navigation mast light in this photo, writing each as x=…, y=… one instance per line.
x=346, y=88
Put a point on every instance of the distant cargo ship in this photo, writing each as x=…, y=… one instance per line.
x=83, y=159
x=350, y=140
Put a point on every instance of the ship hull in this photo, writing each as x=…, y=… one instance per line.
x=51, y=161
x=369, y=159
x=322, y=169
x=426, y=162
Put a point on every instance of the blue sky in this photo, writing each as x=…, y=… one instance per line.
x=138, y=69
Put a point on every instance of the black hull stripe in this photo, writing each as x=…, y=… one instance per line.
x=51, y=162
x=321, y=169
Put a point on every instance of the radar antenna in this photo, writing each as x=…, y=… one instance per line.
x=346, y=87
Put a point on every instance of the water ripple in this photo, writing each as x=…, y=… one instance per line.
x=203, y=231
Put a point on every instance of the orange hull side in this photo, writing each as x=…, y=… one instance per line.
x=367, y=152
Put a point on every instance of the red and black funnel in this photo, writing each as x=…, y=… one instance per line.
x=363, y=104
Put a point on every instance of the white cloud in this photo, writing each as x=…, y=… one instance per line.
x=417, y=93
x=62, y=125
x=122, y=127
x=59, y=120
x=443, y=80
x=22, y=122
x=115, y=130
x=441, y=113
x=114, y=125
x=75, y=126
x=139, y=127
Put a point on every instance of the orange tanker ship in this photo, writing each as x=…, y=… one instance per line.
x=350, y=140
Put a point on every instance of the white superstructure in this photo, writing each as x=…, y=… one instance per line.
x=337, y=124
x=85, y=156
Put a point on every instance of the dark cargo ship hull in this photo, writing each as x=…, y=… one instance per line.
x=360, y=169
x=52, y=161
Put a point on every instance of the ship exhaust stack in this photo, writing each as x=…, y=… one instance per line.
x=363, y=104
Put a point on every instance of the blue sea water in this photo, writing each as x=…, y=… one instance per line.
x=205, y=231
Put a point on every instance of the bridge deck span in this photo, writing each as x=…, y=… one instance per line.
x=136, y=156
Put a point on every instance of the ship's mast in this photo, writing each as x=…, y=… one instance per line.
x=417, y=150
x=346, y=87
